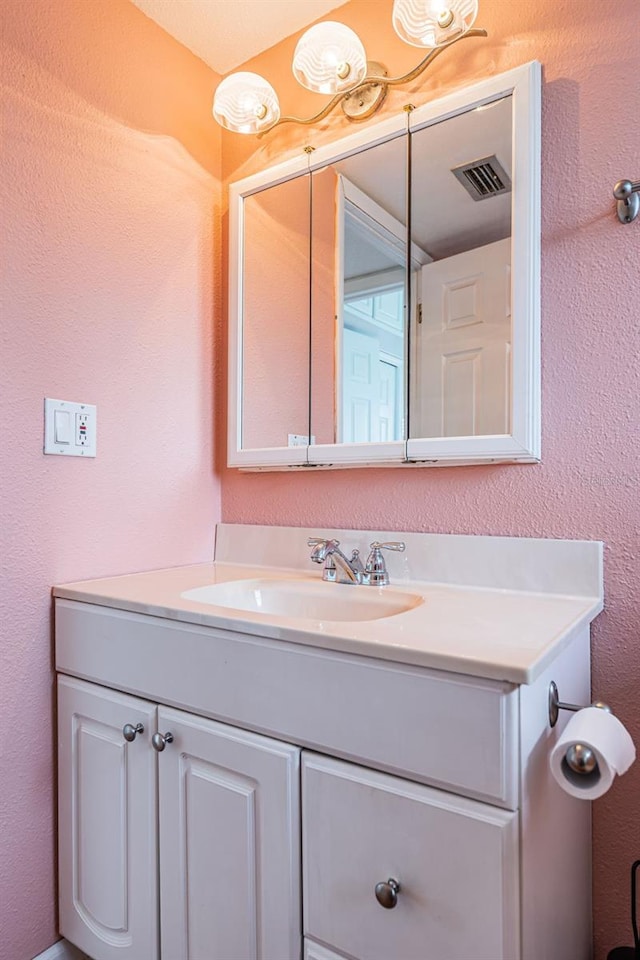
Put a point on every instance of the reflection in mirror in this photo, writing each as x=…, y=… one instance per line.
x=358, y=302
x=461, y=335
x=275, y=316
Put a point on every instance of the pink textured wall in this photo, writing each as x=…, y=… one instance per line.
x=110, y=207
x=587, y=485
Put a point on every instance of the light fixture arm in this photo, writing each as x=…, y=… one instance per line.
x=430, y=57
x=326, y=110
x=382, y=81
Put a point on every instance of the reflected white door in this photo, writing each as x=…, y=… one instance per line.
x=360, y=388
x=229, y=843
x=388, y=383
x=463, y=343
x=370, y=391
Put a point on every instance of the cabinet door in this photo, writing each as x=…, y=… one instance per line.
x=316, y=951
x=107, y=823
x=229, y=843
x=455, y=860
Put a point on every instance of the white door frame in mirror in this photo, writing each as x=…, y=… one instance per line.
x=523, y=84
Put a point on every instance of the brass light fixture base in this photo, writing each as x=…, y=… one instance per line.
x=362, y=103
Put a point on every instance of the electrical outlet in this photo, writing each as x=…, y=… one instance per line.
x=299, y=440
x=70, y=428
x=82, y=429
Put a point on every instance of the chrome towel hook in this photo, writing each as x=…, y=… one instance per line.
x=627, y=195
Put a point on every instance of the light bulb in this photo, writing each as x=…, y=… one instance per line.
x=246, y=103
x=431, y=23
x=329, y=58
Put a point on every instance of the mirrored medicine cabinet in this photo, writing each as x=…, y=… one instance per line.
x=384, y=291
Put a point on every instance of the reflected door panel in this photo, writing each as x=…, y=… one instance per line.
x=463, y=345
x=389, y=399
x=275, y=315
x=360, y=388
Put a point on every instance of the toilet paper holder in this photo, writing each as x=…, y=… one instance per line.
x=556, y=704
x=579, y=757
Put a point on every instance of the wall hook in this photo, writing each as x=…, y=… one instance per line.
x=627, y=195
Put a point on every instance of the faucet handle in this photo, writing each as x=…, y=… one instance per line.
x=376, y=568
x=318, y=541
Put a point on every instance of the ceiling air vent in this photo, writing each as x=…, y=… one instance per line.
x=483, y=178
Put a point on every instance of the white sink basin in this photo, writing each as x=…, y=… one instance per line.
x=306, y=599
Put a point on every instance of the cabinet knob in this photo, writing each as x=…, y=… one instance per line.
x=387, y=893
x=159, y=741
x=129, y=732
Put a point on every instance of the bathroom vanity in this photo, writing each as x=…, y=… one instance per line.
x=369, y=781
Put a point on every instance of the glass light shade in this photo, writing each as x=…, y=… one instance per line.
x=246, y=103
x=329, y=58
x=430, y=23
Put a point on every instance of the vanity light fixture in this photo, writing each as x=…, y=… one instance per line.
x=330, y=58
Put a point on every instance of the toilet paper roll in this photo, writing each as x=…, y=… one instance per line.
x=611, y=743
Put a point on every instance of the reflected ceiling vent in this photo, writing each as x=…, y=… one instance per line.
x=483, y=178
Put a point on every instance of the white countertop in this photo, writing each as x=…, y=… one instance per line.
x=479, y=631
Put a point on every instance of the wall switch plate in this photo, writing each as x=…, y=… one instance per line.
x=70, y=428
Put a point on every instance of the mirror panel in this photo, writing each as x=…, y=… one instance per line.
x=323, y=305
x=358, y=319
x=275, y=316
x=366, y=345
x=460, y=355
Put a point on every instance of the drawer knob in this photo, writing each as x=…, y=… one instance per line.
x=129, y=732
x=159, y=741
x=387, y=893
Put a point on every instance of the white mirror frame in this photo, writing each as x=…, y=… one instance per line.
x=522, y=445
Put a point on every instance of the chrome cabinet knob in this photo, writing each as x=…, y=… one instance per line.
x=129, y=732
x=387, y=893
x=159, y=741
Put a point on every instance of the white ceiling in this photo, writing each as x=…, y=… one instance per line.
x=226, y=33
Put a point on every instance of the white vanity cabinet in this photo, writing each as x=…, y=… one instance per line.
x=305, y=768
x=213, y=818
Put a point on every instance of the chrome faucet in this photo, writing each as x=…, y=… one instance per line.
x=340, y=569
x=337, y=567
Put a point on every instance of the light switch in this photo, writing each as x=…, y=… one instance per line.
x=70, y=428
x=62, y=426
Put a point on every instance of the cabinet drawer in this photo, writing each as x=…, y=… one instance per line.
x=456, y=861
